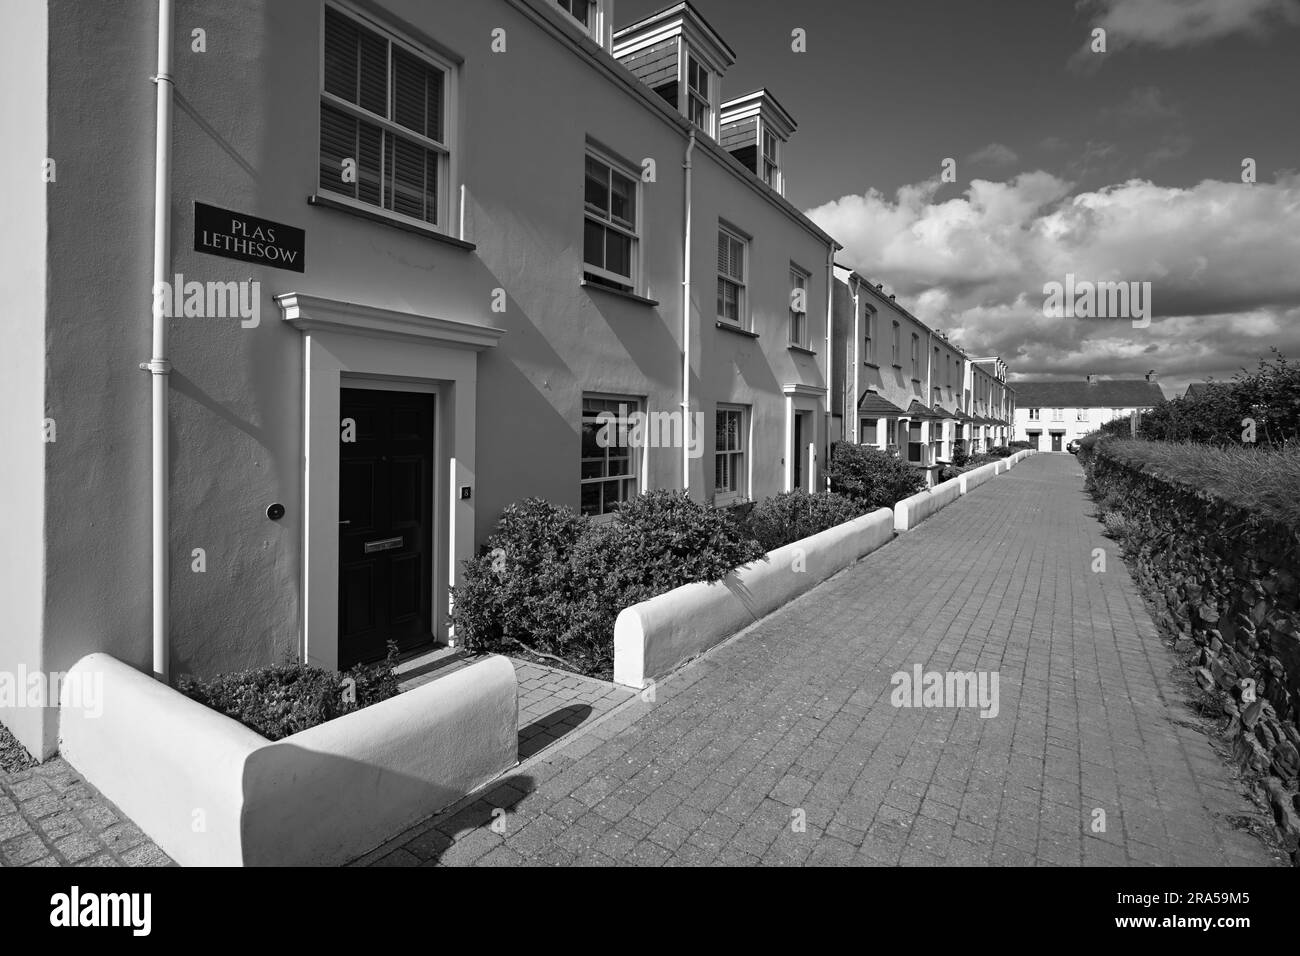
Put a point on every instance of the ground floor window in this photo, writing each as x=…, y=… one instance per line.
x=867, y=431
x=730, y=476
x=608, y=459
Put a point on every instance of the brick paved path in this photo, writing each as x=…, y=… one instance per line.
x=793, y=719
x=50, y=816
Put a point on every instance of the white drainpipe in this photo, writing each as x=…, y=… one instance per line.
x=830, y=362
x=686, y=319
x=857, y=358
x=158, y=367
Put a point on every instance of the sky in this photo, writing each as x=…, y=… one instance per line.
x=1117, y=166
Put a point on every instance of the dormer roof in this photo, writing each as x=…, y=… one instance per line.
x=681, y=19
x=761, y=104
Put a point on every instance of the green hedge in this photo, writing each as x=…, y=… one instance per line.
x=553, y=582
x=874, y=478
x=287, y=698
x=787, y=517
x=1213, y=537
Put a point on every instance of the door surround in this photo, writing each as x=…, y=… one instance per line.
x=347, y=345
x=801, y=398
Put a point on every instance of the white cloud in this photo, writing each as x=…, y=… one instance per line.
x=1221, y=257
x=994, y=154
x=1178, y=23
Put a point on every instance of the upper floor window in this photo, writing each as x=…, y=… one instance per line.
x=1035, y=414
x=1081, y=415
x=609, y=459
x=798, y=307
x=771, y=168
x=898, y=358
x=916, y=356
x=384, y=139
x=1058, y=414
x=869, y=339
x=699, y=105
x=732, y=252
x=609, y=238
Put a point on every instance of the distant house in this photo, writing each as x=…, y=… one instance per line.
x=1200, y=389
x=1049, y=415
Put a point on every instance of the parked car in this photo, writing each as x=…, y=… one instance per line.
x=1073, y=447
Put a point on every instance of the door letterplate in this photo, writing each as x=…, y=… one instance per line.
x=387, y=544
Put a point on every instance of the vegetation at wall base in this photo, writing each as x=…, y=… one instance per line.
x=1212, y=537
x=285, y=699
x=873, y=478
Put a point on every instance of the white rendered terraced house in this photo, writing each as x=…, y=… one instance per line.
x=411, y=278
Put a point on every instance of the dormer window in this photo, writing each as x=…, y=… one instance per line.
x=754, y=128
x=678, y=55
x=591, y=15
x=699, y=108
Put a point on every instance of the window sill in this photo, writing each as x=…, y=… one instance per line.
x=897, y=367
x=379, y=216
x=735, y=329
x=872, y=365
x=632, y=296
x=800, y=348
x=916, y=381
x=732, y=499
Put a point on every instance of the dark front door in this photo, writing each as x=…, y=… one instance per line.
x=798, y=451
x=385, y=523
x=1056, y=441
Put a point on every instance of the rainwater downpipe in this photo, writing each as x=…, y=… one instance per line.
x=830, y=363
x=158, y=366
x=686, y=318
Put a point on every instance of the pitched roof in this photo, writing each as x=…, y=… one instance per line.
x=1106, y=393
x=873, y=404
x=918, y=412
x=1198, y=389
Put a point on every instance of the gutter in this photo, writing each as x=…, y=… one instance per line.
x=158, y=366
x=686, y=314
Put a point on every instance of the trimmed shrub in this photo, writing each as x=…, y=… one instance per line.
x=787, y=517
x=1020, y=446
x=1000, y=451
x=282, y=700
x=959, y=454
x=552, y=582
x=874, y=478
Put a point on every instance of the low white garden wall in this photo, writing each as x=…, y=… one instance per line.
x=654, y=637
x=211, y=792
x=910, y=512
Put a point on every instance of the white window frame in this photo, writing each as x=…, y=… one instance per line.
x=742, y=293
x=799, y=279
x=1058, y=414
x=633, y=476
x=1081, y=415
x=869, y=344
x=448, y=171
x=738, y=458
x=772, y=177
x=692, y=95
x=897, y=346
x=631, y=283
x=1035, y=414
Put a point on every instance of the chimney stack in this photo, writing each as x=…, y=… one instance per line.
x=1092, y=378
x=1151, y=375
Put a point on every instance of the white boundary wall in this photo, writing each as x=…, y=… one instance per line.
x=211, y=792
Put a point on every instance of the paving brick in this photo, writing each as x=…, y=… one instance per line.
x=796, y=714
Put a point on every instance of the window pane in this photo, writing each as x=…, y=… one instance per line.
x=406, y=192
x=410, y=91
x=593, y=244
x=591, y=499
x=597, y=185
x=618, y=253
x=373, y=85
x=338, y=141
x=340, y=55
x=370, y=153
x=623, y=200
x=721, y=476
